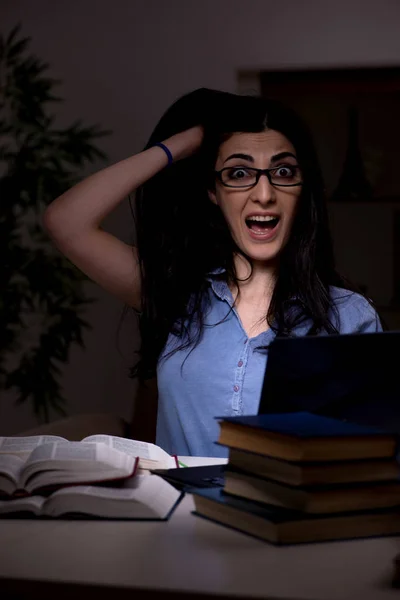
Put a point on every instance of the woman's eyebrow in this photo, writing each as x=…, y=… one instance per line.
x=273, y=158
x=242, y=156
x=282, y=155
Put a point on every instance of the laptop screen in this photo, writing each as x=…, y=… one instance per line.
x=354, y=377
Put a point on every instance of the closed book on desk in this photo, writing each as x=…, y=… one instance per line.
x=281, y=526
x=309, y=473
x=306, y=437
x=140, y=497
x=29, y=464
x=314, y=498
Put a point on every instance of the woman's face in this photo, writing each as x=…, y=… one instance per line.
x=260, y=218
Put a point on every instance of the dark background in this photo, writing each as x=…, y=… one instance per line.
x=122, y=63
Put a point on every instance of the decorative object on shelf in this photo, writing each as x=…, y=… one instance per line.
x=353, y=184
x=42, y=298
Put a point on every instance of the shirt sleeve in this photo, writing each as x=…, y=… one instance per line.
x=356, y=314
x=363, y=317
x=370, y=322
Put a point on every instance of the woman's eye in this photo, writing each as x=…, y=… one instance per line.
x=285, y=171
x=238, y=174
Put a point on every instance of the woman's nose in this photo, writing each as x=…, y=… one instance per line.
x=263, y=191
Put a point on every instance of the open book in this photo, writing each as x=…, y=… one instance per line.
x=139, y=497
x=29, y=464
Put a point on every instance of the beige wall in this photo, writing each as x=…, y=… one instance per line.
x=123, y=62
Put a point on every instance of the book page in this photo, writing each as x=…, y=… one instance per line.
x=64, y=451
x=149, y=454
x=201, y=461
x=11, y=466
x=152, y=491
x=141, y=497
x=80, y=451
x=32, y=504
x=23, y=446
x=83, y=457
x=68, y=462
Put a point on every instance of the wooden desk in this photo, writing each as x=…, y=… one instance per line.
x=184, y=557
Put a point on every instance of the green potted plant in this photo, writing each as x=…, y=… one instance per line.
x=42, y=296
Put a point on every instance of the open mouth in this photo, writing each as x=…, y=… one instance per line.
x=262, y=226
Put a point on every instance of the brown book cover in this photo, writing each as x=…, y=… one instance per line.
x=309, y=473
x=331, y=498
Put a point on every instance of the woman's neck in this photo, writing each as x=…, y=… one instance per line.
x=256, y=280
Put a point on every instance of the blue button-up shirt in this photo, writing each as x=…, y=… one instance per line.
x=223, y=374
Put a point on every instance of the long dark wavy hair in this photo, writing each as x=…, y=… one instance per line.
x=182, y=235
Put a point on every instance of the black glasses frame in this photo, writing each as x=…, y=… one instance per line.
x=258, y=173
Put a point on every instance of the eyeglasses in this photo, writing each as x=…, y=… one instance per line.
x=248, y=177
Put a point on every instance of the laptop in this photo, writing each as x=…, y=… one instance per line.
x=354, y=377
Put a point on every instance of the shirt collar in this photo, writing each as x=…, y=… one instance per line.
x=221, y=288
x=211, y=275
x=219, y=285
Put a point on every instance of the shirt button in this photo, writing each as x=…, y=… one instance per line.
x=236, y=388
x=240, y=363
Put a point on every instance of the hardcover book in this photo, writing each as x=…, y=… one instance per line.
x=304, y=437
x=282, y=526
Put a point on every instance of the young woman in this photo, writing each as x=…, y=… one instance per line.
x=233, y=248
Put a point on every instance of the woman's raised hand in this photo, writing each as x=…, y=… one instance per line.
x=185, y=143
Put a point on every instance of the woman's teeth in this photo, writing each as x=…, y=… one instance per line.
x=260, y=218
x=259, y=223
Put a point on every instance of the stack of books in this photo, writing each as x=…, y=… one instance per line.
x=300, y=477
